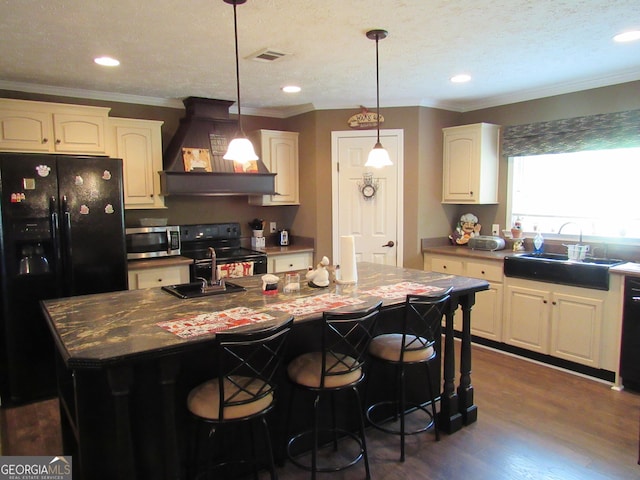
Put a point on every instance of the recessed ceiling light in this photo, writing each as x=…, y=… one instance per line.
x=107, y=61
x=629, y=36
x=291, y=89
x=462, y=78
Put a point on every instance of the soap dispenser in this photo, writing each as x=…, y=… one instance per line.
x=538, y=241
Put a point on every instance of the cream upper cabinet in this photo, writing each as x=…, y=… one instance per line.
x=470, y=164
x=139, y=144
x=278, y=150
x=27, y=126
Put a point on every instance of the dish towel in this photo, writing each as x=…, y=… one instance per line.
x=235, y=270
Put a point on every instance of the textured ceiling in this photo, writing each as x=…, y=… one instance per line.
x=171, y=49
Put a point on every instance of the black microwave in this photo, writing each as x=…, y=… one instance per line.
x=150, y=242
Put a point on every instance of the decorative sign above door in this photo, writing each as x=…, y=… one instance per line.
x=364, y=119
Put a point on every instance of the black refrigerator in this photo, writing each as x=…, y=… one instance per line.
x=61, y=235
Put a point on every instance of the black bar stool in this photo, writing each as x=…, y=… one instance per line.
x=240, y=393
x=413, y=345
x=337, y=366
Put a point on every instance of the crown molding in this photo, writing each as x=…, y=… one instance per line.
x=549, y=91
x=91, y=94
x=460, y=106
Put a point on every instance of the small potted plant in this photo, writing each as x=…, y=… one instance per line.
x=257, y=225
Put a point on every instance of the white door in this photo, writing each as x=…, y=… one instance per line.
x=372, y=215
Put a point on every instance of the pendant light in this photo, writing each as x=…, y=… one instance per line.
x=378, y=156
x=240, y=148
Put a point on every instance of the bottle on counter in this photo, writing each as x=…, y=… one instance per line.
x=538, y=241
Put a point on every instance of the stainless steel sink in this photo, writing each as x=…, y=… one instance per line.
x=195, y=290
x=557, y=268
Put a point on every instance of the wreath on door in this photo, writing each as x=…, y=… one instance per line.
x=368, y=186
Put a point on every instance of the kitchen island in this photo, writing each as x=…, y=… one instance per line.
x=124, y=369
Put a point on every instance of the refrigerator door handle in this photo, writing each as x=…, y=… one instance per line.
x=67, y=250
x=55, y=240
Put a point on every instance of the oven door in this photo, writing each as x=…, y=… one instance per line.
x=230, y=267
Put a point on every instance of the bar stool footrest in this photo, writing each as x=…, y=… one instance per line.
x=411, y=407
x=342, y=434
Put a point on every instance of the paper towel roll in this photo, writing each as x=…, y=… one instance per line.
x=348, y=268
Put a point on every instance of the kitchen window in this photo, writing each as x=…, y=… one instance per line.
x=581, y=171
x=595, y=191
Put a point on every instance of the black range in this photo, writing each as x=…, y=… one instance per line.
x=224, y=238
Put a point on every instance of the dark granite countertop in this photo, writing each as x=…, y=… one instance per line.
x=93, y=331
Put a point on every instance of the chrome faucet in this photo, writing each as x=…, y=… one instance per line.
x=214, y=266
x=576, y=224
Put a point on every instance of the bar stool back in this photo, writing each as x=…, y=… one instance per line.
x=337, y=366
x=413, y=345
x=241, y=392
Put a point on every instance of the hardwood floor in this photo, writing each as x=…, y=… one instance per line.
x=534, y=422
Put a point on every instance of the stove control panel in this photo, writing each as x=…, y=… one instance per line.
x=211, y=231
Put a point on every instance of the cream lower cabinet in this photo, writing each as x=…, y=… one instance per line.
x=139, y=144
x=289, y=262
x=157, y=277
x=487, y=311
x=527, y=321
x=279, y=153
x=561, y=321
x=43, y=127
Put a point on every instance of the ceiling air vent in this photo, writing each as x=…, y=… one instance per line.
x=267, y=55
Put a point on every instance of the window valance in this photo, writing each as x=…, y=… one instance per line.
x=593, y=132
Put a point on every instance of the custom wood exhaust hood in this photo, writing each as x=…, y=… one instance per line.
x=193, y=163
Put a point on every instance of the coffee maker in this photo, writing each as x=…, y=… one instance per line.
x=283, y=238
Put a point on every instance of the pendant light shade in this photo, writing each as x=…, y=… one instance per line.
x=378, y=156
x=240, y=148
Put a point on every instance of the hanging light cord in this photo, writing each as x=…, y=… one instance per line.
x=377, y=91
x=235, y=29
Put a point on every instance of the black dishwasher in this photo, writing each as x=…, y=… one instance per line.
x=630, y=354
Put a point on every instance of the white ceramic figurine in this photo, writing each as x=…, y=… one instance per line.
x=319, y=278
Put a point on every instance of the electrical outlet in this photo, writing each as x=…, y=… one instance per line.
x=273, y=228
x=495, y=229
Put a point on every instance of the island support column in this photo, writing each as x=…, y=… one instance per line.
x=468, y=410
x=120, y=381
x=168, y=372
x=449, y=417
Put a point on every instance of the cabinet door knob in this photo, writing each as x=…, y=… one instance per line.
x=553, y=303
x=159, y=280
x=544, y=301
x=58, y=141
x=45, y=140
